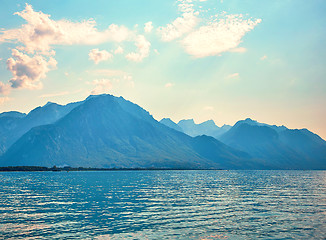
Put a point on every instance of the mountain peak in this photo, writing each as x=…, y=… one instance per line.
x=98, y=95
x=13, y=114
x=187, y=121
x=209, y=123
x=49, y=103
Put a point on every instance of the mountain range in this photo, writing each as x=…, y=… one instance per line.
x=111, y=132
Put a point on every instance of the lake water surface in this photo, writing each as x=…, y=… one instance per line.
x=163, y=205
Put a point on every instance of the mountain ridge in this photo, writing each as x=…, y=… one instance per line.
x=112, y=132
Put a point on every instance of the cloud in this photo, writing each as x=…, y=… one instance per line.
x=28, y=71
x=98, y=56
x=41, y=33
x=101, y=86
x=168, y=85
x=54, y=94
x=148, y=27
x=116, y=77
x=143, y=48
x=209, y=108
x=238, y=50
x=119, y=50
x=4, y=99
x=109, y=73
x=4, y=88
x=263, y=58
x=233, y=75
x=105, y=85
x=181, y=25
x=218, y=36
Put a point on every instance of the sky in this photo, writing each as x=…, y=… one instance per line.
x=224, y=60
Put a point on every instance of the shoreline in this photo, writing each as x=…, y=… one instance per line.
x=79, y=169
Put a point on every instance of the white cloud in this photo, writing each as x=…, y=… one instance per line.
x=218, y=36
x=98, y=56
x=148, y=27
x=143, y=48
x=41, y=33
x=233, y=75
x=119, y=50
x=168, y=85
x=28, y=71
x=182, y=25
x=263, y=58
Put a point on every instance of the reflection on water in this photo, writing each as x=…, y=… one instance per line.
x=163, y=205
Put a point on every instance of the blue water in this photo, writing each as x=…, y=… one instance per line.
x=163, y=205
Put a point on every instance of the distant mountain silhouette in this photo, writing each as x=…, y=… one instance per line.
x=106, y=131
x=168, y=122
x=14, y=124
x=279, y=147
x=189, y=127
x=111, y=132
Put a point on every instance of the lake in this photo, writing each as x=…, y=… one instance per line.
x=163, y=205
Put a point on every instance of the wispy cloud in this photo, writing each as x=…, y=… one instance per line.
x=181, y=25
x=98, y=56
x=109, y=72
x=143, y=48
x=54, y=94
x=4, y=99
x=203, y=37
x=119, y=50
x=233, y=75
x=148, y=27
x=238, y=50
x=169, y=85
x=209, y=108
x=4, y=88
x=263, y=58
x=109, y=79
x=218, y=36
x=101, y=86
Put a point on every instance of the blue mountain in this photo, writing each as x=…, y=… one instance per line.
x=13, y=125
x=106, y=131
x=278, y=147
x=189, y=127
x=169, y=123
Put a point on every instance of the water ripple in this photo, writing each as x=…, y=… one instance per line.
x=163, y=205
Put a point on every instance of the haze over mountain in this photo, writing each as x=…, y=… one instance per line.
x=189, y=127
x=14, y=124
x=107, y=131
x=280, y=146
